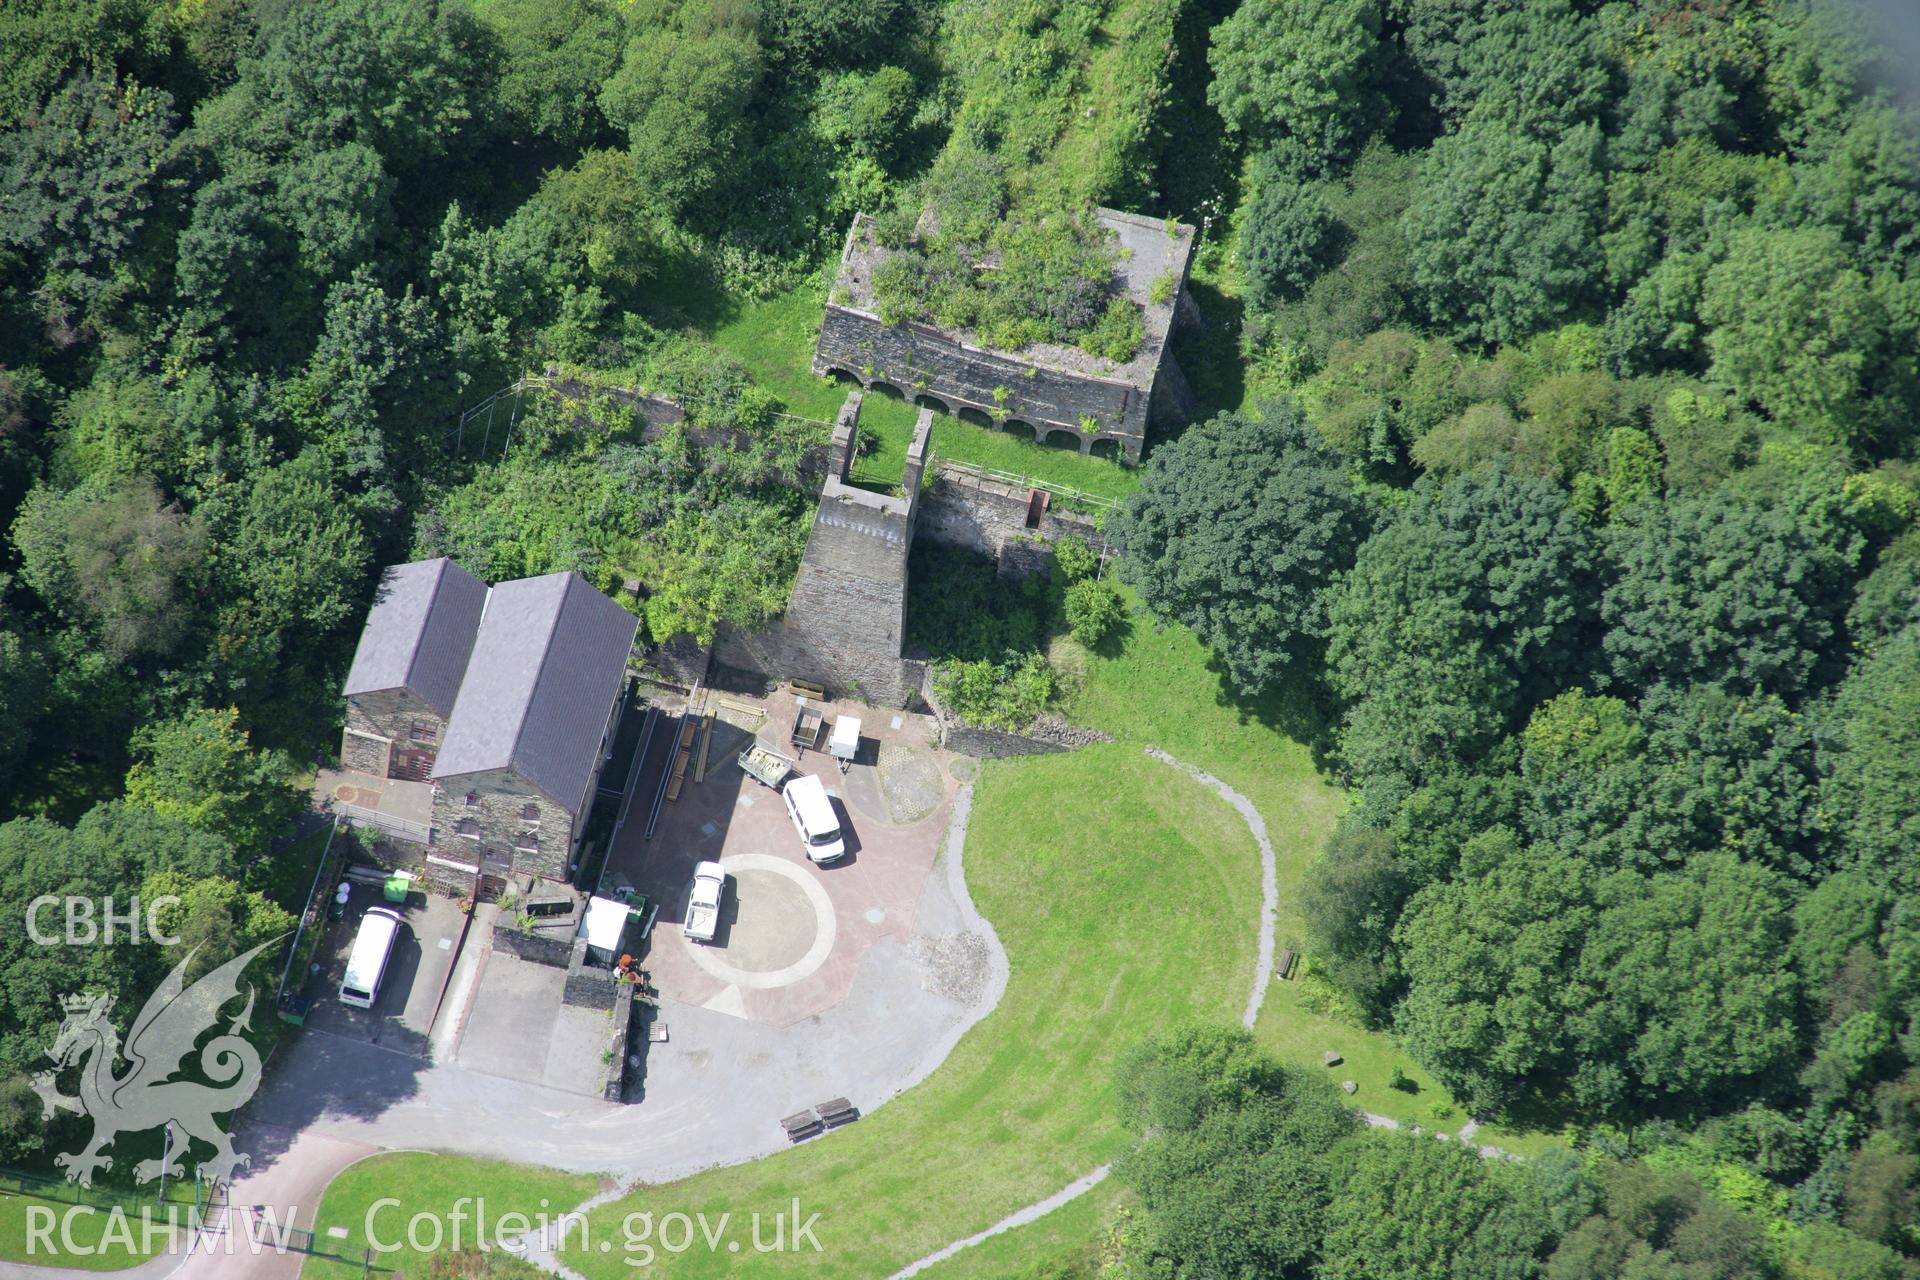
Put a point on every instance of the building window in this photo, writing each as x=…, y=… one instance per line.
x=531, y=814
x=422, y=731
x=527, y=842
x=472, y=800
x=468, y=827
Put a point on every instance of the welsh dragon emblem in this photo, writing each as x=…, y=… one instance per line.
x=162, y=1037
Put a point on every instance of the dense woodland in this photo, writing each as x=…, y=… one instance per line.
x=1562, y=492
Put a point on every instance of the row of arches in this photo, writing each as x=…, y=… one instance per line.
x=1051, y=437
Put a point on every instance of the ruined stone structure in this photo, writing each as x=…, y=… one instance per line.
x=1045, y=391
x=1011, y=524
x=845, y=621
x=846, y=617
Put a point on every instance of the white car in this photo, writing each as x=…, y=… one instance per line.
x=703, y=902
x=812, y=812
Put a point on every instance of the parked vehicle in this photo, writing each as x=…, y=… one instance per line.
x=765, y=765
x=808, y=724
x=703, y=902
x=844, y=744
x=367, y=962
x=813, y=817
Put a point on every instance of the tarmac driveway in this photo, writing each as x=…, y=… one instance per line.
x=423, y=952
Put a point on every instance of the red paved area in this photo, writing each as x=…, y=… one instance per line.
x=770, y=922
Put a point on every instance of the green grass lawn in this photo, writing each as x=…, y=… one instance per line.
x=774, y=339
x=100, y=1240
x=430, y=1184
x=1126, y=899
x=1155, y=685
x=1064, y=1245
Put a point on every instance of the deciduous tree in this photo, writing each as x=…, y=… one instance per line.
x=1236, y=529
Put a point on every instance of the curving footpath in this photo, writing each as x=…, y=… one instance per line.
x=1262, y=977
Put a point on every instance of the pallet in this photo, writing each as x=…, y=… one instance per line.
x=706, y=742
x=679, y=778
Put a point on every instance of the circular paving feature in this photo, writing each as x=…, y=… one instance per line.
x=781, y=925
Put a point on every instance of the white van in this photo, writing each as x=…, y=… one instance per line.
x=367, y=963
x=813, y=817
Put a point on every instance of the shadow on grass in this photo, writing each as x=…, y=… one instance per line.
x=1209, y=354
x=1298, y=707
x=688, y=292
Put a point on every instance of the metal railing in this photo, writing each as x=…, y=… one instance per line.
x=399, y=828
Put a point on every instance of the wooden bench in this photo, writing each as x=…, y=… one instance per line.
x=1284, y=969
x=801, y=1125
x=835, y=1112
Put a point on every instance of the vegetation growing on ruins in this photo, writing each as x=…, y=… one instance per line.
x=1033, y=277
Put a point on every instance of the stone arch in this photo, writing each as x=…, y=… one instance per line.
x=1108, y=448
x=1020, y=430
x=978, y=417
x=880, y=387
x=932, y=402
x=1062, y=438
x=837, y=374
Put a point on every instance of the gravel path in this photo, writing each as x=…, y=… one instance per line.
x=1262, y=976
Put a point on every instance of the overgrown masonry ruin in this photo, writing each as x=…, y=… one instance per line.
x=1053, y=394
x=846, y=617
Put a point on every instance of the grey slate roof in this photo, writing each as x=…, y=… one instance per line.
x=419, y=632
x=548, y=662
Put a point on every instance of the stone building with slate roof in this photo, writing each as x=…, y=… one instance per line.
x=406, y=672
x=537, y=708
x=505, y=699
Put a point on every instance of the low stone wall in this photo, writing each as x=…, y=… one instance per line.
x=960, y=509
x=1047, y=735
x=992, y=744
x=587, y=986
x=614, y=1087
x=551, y=949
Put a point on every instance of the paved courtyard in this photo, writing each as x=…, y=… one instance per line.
x=423, y=952
x=792, y=934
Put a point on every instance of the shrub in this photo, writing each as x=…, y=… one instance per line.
x=1093, y=610
x=1289, y=238
x=998, y=695
x=1074, y=559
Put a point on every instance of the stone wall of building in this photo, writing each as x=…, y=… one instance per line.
x=917, y=359
x=987, y=516
x=412, y=731
x=508, y=824
x=781, y=652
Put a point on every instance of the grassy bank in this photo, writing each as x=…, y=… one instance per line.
x=90, y=1230
x=774, y=339
x=431, y=1185
x=1156, y=685
x=1126, y=900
